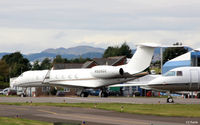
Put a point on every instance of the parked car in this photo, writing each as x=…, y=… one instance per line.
x=9, y=91
x=60, y=93
x=21, y=93
x=136, y=93
x=95, y=92
x=1, y=91
x=114, y=93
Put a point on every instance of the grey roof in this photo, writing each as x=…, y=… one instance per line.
x=108, y=61
x=98, y=61
x=67, y=66
x=86, y=64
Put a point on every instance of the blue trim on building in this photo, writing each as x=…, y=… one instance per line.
x=174, y=64
x=195, y=54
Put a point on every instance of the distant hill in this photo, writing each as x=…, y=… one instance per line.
x=2, y=54
x=79, y=50
x=75, y=52
x=69, y=53
x=42, y=55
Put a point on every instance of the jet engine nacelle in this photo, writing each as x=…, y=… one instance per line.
x=106, y=72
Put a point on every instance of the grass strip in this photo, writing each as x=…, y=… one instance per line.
x=183, y=110
x=20, y=121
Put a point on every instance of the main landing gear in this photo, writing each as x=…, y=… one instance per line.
x=103, y=92
x=82, y=93
x=170, y=98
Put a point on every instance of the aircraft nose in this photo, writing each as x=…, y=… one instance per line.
x=15, y=82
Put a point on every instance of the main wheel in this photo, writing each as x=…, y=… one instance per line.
x=103, y=94
x=170, y=100
x=84, y=94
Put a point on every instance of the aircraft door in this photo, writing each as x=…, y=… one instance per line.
x=194, y=79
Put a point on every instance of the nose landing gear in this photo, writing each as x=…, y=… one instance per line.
x=103, y=92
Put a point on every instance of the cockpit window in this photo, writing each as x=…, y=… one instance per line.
x=179, y=73
x=170, y=73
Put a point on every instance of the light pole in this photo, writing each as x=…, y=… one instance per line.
x=196, y=57
x=161, y=59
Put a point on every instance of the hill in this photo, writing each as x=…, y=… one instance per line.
x=75, y=52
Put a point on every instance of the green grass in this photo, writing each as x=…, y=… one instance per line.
x=9, y=96
x=19, y=121
x=184, y=110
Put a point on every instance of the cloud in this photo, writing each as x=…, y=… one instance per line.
x=35, y=40
x=33, y=25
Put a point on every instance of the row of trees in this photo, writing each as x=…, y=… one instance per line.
x=14, y=64
x=123, y=50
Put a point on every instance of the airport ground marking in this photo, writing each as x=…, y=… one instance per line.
x=47, y=111
x=80, y=116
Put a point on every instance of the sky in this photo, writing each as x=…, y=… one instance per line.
x=30, y=26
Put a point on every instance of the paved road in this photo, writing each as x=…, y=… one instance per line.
x=91, y=116
x=139, y=100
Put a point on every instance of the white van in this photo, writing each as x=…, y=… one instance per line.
x=9, y=91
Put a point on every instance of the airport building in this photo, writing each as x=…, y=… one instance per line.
x=191, y=58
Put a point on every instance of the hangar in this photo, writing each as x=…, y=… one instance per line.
x=191, y=58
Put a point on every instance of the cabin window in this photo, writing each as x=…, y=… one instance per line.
x=170, y=73
x=179, y=73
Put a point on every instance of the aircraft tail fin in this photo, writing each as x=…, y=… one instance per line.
x=141, y=59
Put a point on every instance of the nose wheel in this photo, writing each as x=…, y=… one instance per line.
x=170, y=99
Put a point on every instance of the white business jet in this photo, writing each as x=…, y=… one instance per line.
x=95, y=77
x=177, y=79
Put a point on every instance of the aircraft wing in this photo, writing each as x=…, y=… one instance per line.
x=129, y=84
x=142, y=81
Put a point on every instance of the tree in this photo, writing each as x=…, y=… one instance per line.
x=46, y=64
x=111, y=51
x=36, y=65
x=171, y=53
x=123, y=50
x=4, y=71
x=17, y=63
x=79, y=60
x=59, y=59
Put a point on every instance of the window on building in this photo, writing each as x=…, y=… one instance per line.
x=45, y=89
x=66, y=89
